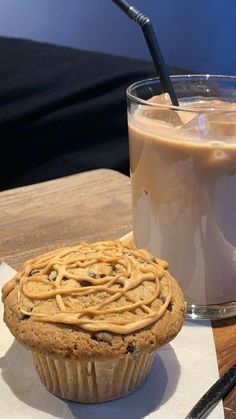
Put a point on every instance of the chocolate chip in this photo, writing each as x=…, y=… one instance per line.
x=133, y=350
x=102, y=275
x=24, y=316
x=162, y=298
x=146, y=192
x=103, y=337
x=170, y=307
x=85, y=283
x=34, y=272
x=93, y=275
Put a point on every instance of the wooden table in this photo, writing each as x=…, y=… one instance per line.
x=89, y=206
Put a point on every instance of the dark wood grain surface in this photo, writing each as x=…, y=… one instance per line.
x=89, y=206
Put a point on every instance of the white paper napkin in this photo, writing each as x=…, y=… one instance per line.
x=182, y=372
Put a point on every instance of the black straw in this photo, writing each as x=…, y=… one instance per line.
x=155, y=51
x=219, y=390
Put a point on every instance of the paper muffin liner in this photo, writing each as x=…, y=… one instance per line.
x=92, y=382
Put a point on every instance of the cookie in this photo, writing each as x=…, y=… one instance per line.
x=93, y=316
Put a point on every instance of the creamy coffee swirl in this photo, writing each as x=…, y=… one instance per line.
x=100, y=286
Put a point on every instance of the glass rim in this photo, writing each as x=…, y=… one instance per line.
x=140, y=101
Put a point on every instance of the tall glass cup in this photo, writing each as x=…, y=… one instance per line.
x=183, y=175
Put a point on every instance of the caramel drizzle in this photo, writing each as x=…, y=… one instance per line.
x=131, y=277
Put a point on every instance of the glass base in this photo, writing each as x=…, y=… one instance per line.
x=211, y=312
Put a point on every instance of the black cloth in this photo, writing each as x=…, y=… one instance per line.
x=63, y=110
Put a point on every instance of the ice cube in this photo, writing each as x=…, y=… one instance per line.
x=163, y=99
x=198, y=126
x=161, y=114
x=224, y=124
x=211, y=125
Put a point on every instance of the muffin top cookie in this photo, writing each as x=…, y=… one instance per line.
x=100, y=300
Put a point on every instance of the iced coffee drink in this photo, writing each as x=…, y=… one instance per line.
x=183, y=174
